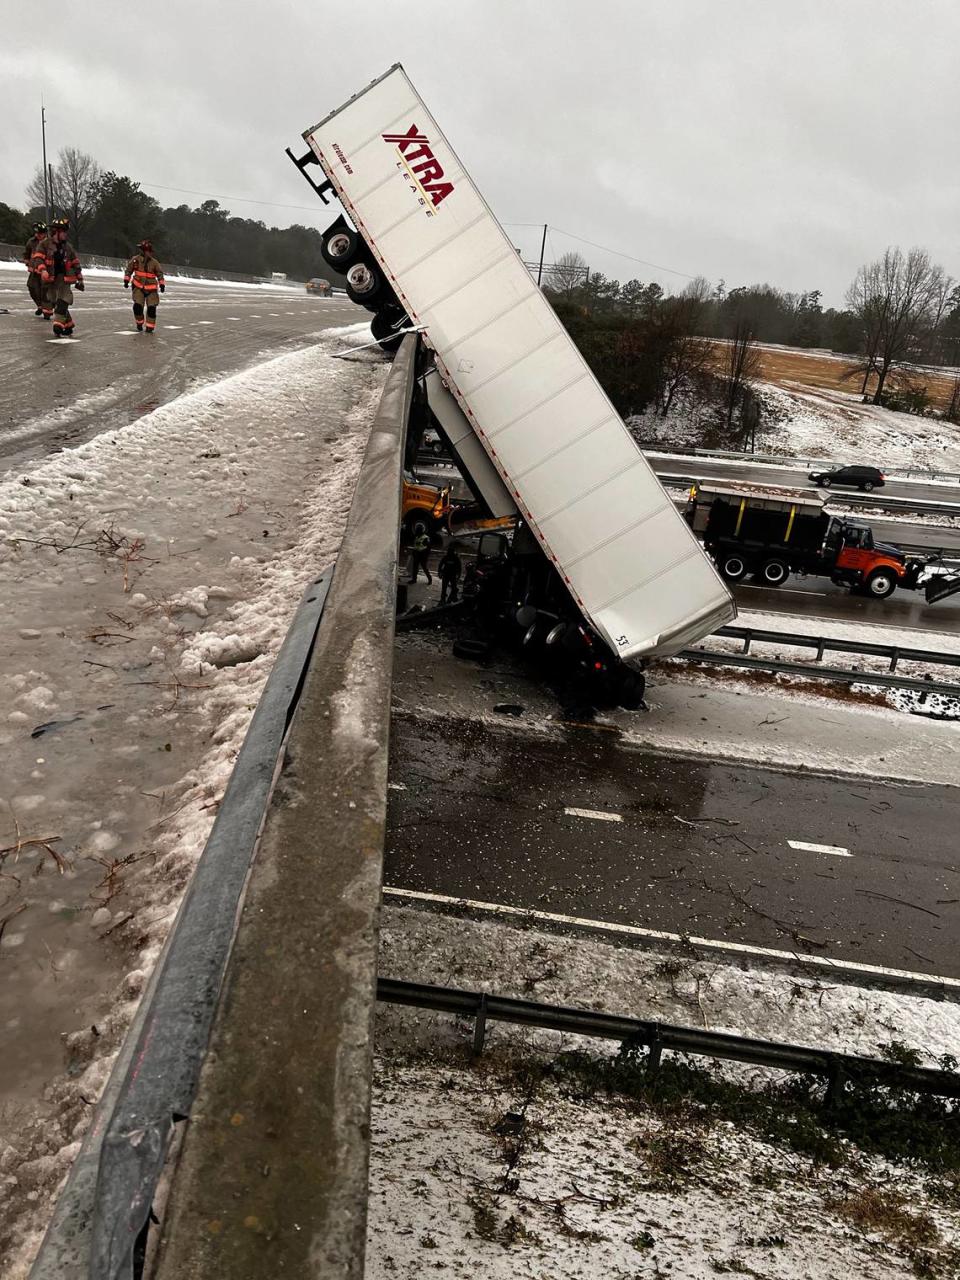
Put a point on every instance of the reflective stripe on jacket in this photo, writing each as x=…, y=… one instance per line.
x=145, y=272
x=45, y=264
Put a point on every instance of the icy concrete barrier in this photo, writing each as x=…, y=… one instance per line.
x=272, y=1177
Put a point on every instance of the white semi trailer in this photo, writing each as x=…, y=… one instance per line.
x=422, y=246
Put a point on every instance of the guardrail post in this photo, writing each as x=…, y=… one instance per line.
x=894, y=658
x=821, y=645
x=835, y=1082
x=480, y=1027
x=656, y=1052
x=746, y=643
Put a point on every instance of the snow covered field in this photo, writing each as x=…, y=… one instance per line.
x=148, y=578
x=512, y=1165
x=798, y=421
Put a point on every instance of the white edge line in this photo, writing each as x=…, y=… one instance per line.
x=600, y=814
x=659, y=935
x=834, y=849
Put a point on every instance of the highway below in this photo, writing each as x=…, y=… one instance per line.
x=57, y=394
x=581, y=825
x=773, y=473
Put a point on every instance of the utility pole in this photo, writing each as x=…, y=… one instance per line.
x=47, y=174
x=543, y=245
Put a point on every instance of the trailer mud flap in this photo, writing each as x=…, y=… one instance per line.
x=940, y=587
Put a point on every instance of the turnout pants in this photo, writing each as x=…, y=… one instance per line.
x=57, y=300
x=35, y=288
x=150, y=300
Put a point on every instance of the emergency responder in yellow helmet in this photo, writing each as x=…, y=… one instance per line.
x=146, y=274
x=34, y=282
x=55, y=261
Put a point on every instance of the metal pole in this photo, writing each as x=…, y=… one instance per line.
x=543, y=244
x=46, y=188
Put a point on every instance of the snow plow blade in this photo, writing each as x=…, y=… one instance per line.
x=940, y=587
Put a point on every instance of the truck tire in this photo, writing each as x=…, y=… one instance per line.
x=382, y=328
x=340, y=248
x=774, y=573
x=365, y=285
x=631, y=689
x=733, y=567
x=880, y=584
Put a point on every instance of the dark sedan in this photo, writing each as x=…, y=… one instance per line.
x=863, y=478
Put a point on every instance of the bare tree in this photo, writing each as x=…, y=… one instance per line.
x=685, y=353
x=567, y=275
x=741, y=363
x=894, y=298
x=75, y=189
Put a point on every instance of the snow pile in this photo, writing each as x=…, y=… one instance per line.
x=150, y=576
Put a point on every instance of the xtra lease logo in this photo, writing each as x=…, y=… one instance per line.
x=422, y=168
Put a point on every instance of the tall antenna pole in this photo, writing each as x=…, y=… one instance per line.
x=543, y=244
x=47, y=193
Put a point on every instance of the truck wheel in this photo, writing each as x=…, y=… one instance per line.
x=630, y=693
x=880, y=584
x=340, y=248
x=733, y=568
x=774, y=573
x=382, y=328
x=365, y=284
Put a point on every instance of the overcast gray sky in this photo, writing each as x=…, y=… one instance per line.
x=745, y=139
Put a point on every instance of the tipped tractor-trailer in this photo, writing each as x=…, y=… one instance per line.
x=768, y=532
x=607, y=561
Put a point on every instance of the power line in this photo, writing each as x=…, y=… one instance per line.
x=272, y=204
x=617, y=253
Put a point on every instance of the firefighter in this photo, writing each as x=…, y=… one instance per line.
x=449, y=568
x=34, y=283
x=55, y=261
x=421, y=552
x=147, y=276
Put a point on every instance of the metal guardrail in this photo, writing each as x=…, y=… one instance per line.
x=781, y=460
x=260, y=942
x=837, y=1068
x=829, y=644
x=878, y=678
x=278, y=1155
x=835, y=497
x=106, y=1199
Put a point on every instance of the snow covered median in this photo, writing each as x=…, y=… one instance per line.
x=553, y=1155
x=148, y=577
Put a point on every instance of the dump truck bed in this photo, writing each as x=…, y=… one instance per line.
x=568, y=461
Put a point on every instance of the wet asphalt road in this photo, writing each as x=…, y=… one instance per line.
x=701, y=847
x=768, y=473
x=56, y=394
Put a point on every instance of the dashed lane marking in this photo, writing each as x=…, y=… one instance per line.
x=204, y=322
x=58, y=341
x=396, y=786
x=600, y=814
x=233, y=317
x=661, y=935
x=835, y=849
x=173, y=326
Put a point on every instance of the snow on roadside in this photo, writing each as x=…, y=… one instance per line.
x=184, y=542
x=801, y=422
x=115, y=273
x=447, y=1184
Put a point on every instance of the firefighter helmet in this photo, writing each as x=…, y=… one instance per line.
x=39, y=228
x=146, y=246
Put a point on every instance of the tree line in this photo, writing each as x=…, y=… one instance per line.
x=648, y=346
x=109, y=214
